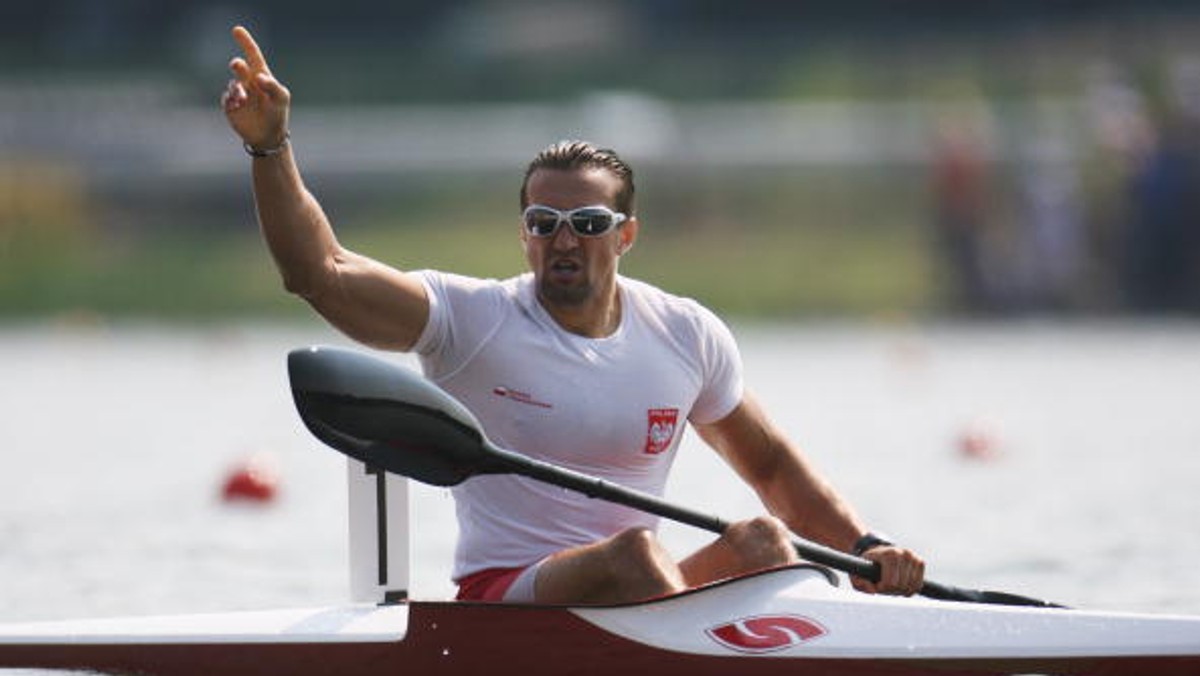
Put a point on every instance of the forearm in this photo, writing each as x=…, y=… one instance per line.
x=294, y=226
x=779, y=472
x=809, y=505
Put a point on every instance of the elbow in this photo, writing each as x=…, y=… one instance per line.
x=309, y=283
x=298, y=286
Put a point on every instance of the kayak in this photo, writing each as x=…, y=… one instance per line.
x=796, y=620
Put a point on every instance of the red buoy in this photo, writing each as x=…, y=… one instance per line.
x=252, y=480
x=978, y=441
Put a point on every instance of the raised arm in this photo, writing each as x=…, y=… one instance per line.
x=791, y=489
x=371, y=302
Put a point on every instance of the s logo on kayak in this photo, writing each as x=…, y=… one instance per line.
x=765, y=633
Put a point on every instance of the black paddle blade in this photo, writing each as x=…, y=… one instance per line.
x=386, y=416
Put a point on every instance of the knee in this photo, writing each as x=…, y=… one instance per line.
x=762, y=542
x=638, y=547
x=638, y=559
x=768, y=527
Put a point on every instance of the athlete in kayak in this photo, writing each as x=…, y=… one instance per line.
x=570, y=362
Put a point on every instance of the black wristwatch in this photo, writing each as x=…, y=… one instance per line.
x=868, y=542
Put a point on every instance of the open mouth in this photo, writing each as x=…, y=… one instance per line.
x=565, y=267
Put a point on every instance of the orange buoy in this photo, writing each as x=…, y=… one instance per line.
x=255, y=480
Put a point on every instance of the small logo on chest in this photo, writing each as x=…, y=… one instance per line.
x=520, y=397
x=660, y=429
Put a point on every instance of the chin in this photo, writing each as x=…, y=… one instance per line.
x=571, y=296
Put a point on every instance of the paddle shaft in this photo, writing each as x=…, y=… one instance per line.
x=392, y=418
x=594, y=487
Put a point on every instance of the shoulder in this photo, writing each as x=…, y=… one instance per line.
x=675, y=312
x=462, y=300
x=701, y=339
x=463, y=310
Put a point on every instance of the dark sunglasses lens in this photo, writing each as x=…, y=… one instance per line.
x=541, y=223
x=591, y=223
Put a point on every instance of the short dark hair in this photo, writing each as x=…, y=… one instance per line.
x=570, y=155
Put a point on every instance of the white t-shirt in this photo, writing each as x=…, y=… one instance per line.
x=612, y=407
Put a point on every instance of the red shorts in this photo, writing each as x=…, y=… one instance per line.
x=487, y=585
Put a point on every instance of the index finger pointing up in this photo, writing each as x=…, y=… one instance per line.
x=254, y=55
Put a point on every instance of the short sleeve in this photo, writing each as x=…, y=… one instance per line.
x=721, y=365
x=463, y=313
x=437, y=326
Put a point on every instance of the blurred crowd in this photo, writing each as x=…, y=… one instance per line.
x=1113, y=228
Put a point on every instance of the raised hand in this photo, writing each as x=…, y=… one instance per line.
x=255, y=103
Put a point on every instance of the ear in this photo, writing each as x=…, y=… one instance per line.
x=628, y=235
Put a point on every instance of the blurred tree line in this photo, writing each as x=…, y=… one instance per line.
x=361, y=51
x=862, y=156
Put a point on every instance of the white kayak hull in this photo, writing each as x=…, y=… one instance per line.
x=788, y=621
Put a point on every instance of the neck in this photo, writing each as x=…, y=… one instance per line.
x=595, y=317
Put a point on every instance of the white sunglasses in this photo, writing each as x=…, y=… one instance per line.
x=592, y=221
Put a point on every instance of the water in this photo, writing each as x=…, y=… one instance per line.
x=115, y=441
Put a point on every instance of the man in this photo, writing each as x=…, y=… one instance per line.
x=570, y=362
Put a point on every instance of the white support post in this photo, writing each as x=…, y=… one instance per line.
x=379, y=546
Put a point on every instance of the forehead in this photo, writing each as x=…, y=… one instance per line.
x=571, y=188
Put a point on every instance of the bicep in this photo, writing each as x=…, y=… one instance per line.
x=371, y=302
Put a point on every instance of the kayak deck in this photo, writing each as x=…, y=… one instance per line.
x=844, y=623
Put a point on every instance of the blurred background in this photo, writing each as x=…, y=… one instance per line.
x=864, y=158
x=957, y=241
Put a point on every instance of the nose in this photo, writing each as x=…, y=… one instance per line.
x=564, y=237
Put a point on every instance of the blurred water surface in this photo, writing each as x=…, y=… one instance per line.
x=114, y=442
